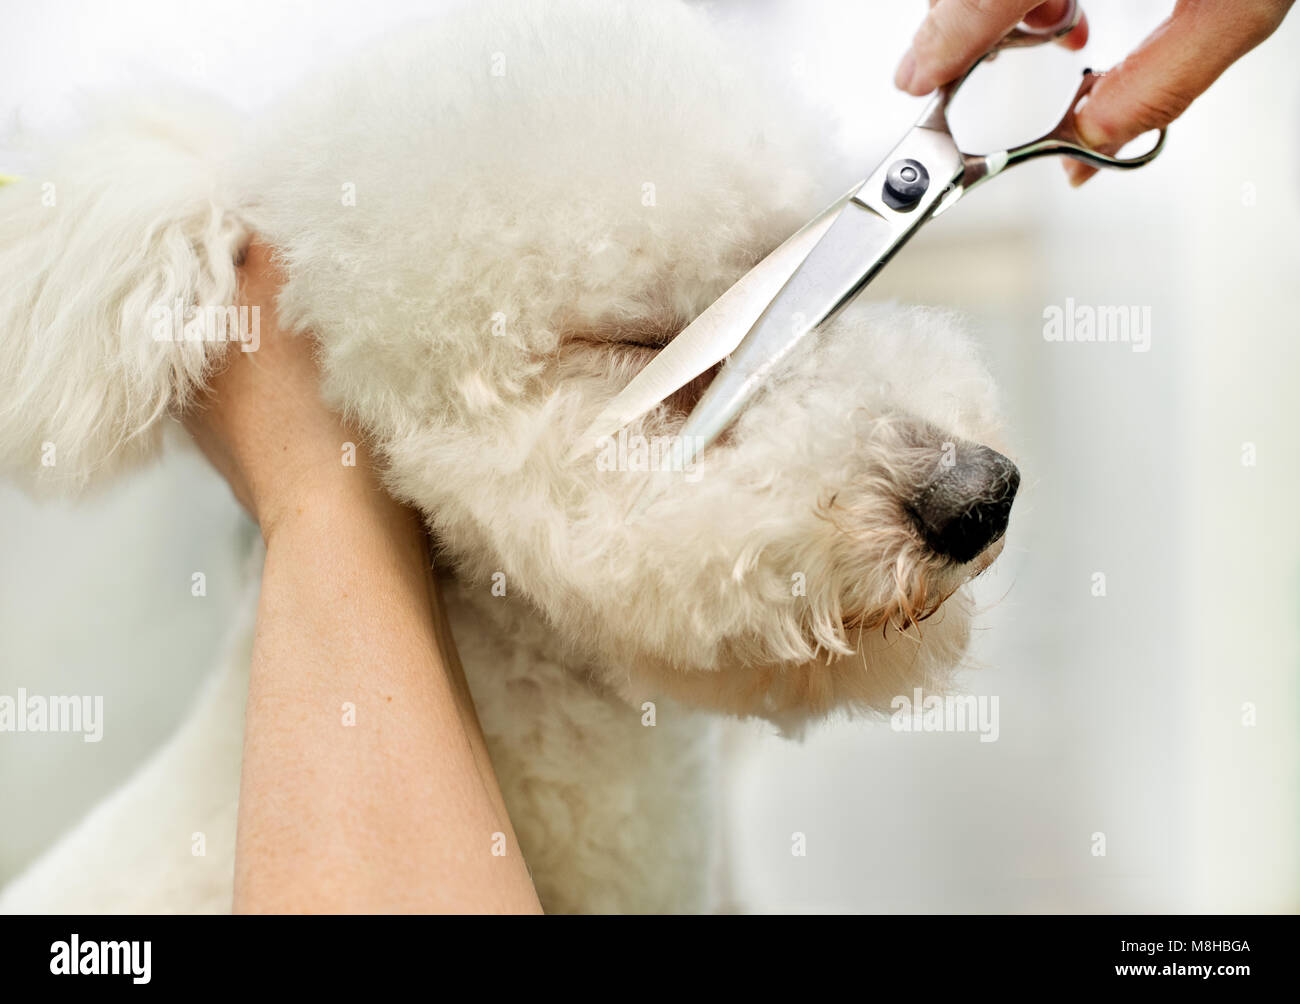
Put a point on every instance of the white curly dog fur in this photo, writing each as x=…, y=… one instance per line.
x=489, y=224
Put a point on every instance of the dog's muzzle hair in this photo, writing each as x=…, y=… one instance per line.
x=923, y=519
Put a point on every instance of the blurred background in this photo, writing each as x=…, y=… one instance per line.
x=1164, y=714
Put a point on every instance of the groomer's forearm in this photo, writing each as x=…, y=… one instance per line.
x=366, y=785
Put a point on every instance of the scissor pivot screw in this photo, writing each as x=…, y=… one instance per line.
x=905, y=183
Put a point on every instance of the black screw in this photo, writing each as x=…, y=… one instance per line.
x=905, y=183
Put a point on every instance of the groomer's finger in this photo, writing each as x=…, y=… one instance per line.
x=1048, y=15
x=957, y=32
x=1169, y=70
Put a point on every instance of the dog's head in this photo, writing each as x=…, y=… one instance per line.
x=503, y=274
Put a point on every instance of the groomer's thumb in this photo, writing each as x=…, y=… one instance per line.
x=1168, y=71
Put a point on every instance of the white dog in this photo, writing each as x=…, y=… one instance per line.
x=490, y=224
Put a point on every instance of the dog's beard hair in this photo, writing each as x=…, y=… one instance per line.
x=897, y=580
x=879, y=666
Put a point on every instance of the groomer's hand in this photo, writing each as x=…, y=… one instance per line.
x=262, y=422
x=1148, y=90
x=366, y=783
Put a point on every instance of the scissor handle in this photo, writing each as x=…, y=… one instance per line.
x=1020, y=37
x=1064, y=139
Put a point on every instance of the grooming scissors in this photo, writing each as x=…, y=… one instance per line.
x=819, y=270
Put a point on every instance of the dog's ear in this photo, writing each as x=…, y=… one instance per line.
x=108, y=233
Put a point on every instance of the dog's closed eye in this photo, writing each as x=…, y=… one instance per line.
x=621, y=350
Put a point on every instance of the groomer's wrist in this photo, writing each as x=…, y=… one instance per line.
x=325, y=501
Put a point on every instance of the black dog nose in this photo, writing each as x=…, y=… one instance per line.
x=966, y=506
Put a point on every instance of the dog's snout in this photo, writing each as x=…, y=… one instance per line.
x=966, y=506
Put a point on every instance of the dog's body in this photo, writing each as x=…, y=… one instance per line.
x=490, y=225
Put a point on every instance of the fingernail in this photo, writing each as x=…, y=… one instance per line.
x=1093, y=137
x=1089, y=131
x=905, y=72
x=1075, y=173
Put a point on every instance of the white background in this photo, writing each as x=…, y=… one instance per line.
x=1120, y=715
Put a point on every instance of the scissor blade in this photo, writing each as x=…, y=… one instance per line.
x=713, y=335
x=853, y=249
